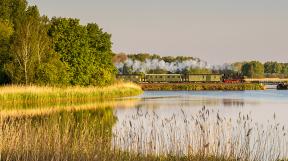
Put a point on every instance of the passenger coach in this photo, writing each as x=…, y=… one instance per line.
x=173, y=78
x=163, y=78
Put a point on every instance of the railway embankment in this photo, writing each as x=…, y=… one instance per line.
x=200, y=86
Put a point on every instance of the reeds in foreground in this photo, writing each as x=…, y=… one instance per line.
x=95, y=135
x=206, y=134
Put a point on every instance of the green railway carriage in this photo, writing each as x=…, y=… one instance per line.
x=158, y=78
x=131, y=77
x=203, y=78
x=163, y=78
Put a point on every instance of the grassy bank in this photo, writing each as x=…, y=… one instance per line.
x=200, y=86
x=47, y=94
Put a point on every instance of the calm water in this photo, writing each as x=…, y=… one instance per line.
x=251, y=124
x=166, y=120
x=261, y=105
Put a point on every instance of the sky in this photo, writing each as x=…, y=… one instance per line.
x=217, y=31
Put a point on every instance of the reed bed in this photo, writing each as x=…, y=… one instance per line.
x=206, y=135
x=95, y=135
x=30, y=94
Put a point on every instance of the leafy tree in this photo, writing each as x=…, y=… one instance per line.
x=86, y=50
x=52, y=71
x=157, y=71
x=285, y=69
x=272, y=67
x=197, y=71
x=29, y=45
x=253, y=69
x=100, y=46
x=168, y=59
x=12, y=10
x=6, y=31
x=141, y=56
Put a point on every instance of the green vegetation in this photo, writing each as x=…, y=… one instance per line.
x=201, y=86
x=60, y=51
x=275, y=69
x=256, y=69
x=50, y=94
x=253, y=69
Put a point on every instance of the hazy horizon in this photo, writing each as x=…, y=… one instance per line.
x=217, y=32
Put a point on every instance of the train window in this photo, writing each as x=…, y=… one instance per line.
x=160, y=76
x=168, y=76
x=178, y=76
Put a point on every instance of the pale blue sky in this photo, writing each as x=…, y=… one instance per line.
x=217, y=31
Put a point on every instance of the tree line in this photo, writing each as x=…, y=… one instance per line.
x=37, y=50
x=256, y=69
x=251, y=69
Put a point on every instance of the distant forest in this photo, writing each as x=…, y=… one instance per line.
x=152, y=63
x=37, y=50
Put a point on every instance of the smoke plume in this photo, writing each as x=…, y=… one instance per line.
x=152, y=64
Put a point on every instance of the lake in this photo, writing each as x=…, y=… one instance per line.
x=167, y=122
x=247, y=125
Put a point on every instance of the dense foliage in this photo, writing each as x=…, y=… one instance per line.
x=256, y=69
x=36, y=50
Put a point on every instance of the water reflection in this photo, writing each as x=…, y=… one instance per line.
x=169, y=124
x=247, y=123
x=80, y=135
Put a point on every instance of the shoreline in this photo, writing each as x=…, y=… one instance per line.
x=200, y=86
x=24, y=94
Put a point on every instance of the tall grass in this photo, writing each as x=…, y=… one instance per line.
x=19, y=94
x=92, y=135
x=206, y=135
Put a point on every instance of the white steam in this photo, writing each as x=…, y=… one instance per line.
x=152, y=64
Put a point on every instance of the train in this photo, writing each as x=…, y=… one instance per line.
x=171, y=78
x=201, y=78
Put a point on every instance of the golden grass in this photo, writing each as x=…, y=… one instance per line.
x=19, y=94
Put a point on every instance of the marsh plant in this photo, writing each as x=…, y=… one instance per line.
x=16, y=94
x=206, y=134
x=97, y=134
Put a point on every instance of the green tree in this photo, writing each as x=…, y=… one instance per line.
x=29, y=46
x=285, y=68
x=86, y=50
x=253, y=69
x=6, y=31
x=157, y=71
x=272, y=67
x=196, y=71
x=100, y=46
